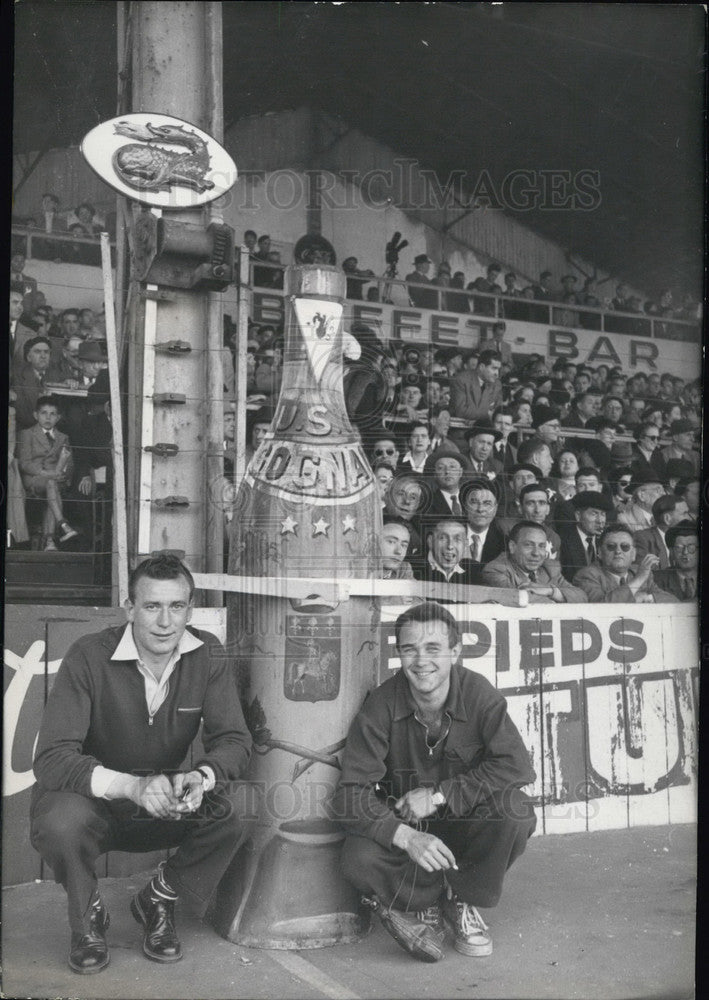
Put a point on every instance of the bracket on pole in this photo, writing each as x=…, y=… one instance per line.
x=171, y=501
x=162, y=448
x=173, y=347
x=167, y=398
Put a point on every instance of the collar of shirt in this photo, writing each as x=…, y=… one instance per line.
x=408, y=457
x=434, y=565
x=404, y=704
x=584, y=537
x=13, y=326
x=155, y=690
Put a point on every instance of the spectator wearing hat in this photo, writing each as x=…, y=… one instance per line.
x=579, y=542
x=682, y=447
x=526, y=566
x=547, y=426
x=644, y=489
x=421, y=297
x=537, y=452
x=481, y=439
x=533, y=505
x=394, y=544
x=676, y=469
x=409, y=401
x=454, y=361
x=513, y=483
x=496, y=342
x=475, y=394
x=444, y=470
x=486, y=306
x=419, y=442
x=587, y=479
x=680, y=578
x=447, y=554
x=31, y=379
x=617, y=577
x=480, y=498
x=667, y=511
x=258, y=424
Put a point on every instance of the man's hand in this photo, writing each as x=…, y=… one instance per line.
x=189, y=789
x=157, y=797
x=416, y=804
x=86, y=486
x=426, y=850
x=649, y=563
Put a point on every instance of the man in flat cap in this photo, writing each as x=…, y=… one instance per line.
x=683, y=445
x=421, y=298
x=579, y=542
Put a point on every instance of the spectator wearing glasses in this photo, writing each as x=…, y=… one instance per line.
x=680, y=578
x=646, y=458
x=385, y=449
x=444, y=470
x=617, y=578
x=667, y=510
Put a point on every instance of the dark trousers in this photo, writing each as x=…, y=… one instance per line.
x=484, y=845
x=71, y=831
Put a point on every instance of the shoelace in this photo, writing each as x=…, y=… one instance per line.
x=470, y=919
x=431, y=916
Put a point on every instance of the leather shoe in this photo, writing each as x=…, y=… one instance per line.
x=89, y=951
x=160, y=940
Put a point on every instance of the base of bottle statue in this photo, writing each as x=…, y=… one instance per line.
x=288, y=893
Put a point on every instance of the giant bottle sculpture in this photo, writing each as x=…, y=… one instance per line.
x=307, y=508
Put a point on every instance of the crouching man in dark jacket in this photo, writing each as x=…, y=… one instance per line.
x=430, y=794
x=119, y=722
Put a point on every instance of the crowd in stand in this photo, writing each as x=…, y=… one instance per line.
x=59, y=420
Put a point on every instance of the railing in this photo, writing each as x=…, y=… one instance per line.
x=59, y=248
x=490, y=308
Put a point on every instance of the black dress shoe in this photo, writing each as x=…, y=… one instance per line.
x=89, y=951
x=160, y=941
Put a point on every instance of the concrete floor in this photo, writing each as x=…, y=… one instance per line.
x=603, y=915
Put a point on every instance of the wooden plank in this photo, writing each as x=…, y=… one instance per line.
x=119, y=489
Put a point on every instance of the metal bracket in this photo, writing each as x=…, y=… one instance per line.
x=171, y=501
x=166, y=398
x=173, y=347
x=155, y=295
x=162, y=448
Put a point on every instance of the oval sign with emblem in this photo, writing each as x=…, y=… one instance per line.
x=159, y=160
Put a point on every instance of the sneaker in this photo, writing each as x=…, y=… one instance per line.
x=421, y=938
x=50, y=545
x=472, y=936
x=67, y=532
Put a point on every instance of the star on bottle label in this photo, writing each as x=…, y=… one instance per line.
x=320, y=527
x=348, y=524
x=288, y=526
